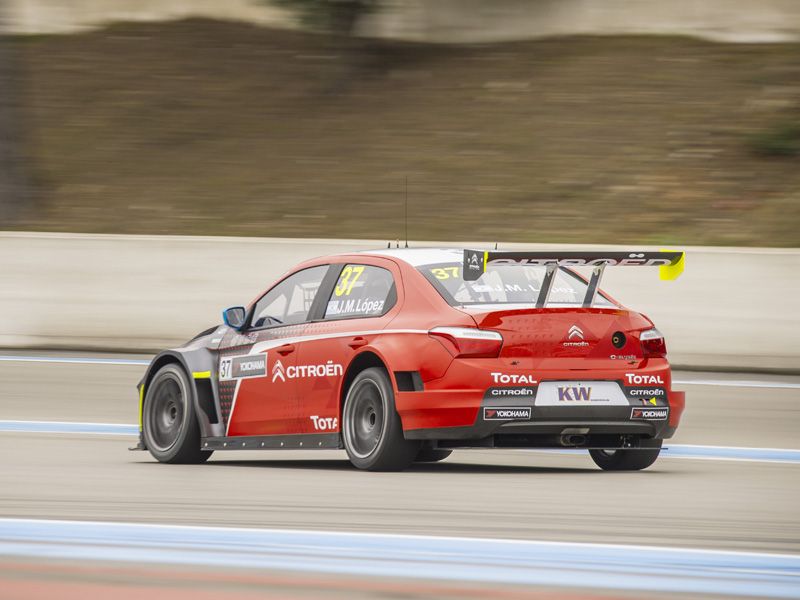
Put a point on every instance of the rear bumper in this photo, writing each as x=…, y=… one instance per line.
x=477, y=419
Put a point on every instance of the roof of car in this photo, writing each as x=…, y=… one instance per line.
x=418, y=257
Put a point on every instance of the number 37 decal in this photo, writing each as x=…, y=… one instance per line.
x=445, y=272
x=348, y=279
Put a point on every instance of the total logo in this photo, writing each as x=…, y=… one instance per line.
x=633, y=379
x=575, y=337
x=514, y=378
x=325, y=423
x=329, y=369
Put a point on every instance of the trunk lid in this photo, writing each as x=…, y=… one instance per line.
x=565, y=338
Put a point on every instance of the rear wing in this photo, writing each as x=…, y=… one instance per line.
x=476, y=262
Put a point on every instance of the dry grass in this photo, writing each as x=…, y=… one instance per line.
x=201, y=127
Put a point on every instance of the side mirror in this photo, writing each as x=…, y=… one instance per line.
x=234, y=317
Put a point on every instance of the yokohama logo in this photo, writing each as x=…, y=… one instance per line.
x=652, y=414
x=507, y=413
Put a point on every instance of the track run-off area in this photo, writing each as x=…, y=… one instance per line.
x=716, y=515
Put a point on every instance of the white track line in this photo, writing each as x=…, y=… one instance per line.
x=501, y=561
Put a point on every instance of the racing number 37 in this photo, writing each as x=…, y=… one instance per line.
x=445, y=272
x=347, y=279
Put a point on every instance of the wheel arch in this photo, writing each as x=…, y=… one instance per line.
x=198, y=367
x=365, y=359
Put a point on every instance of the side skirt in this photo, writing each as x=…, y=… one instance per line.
x=305, y=441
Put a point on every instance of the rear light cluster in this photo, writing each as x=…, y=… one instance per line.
x=467, y=342
x=653, y=344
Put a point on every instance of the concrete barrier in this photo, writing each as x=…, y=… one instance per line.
x=732, y=308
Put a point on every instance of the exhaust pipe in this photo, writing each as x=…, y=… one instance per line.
x=573, y=439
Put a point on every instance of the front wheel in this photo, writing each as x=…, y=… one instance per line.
x=627, y=460
x=372, y=432
x=171, y=431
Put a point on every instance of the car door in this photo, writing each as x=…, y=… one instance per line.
x=362, y=301
x=257, y=391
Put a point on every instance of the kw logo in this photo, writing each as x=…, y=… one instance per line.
x=278, y=372
x=575, y=332
x=574, y=394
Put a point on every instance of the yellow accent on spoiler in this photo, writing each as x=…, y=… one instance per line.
x=202, y=374
x=485, y=260
x=141, y=405
x=671, y=272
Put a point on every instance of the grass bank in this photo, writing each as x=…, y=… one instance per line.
x=203, y=127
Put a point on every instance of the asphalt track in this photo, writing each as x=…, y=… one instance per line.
x=717, y=514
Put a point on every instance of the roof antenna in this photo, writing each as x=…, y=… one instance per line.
x=495, y=245
x=406, y=211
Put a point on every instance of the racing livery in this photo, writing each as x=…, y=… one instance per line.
x=402, y=355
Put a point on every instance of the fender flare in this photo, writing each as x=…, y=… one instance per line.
x=200, y=367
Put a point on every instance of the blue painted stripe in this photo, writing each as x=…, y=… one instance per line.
x=743, y=383
x=732, y=453
x=782, y=455
x=76, y=360
x=63, y=427
x=677, y=570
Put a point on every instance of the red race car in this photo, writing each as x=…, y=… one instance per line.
x=401, y=355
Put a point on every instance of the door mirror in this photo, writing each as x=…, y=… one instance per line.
x=234, y=317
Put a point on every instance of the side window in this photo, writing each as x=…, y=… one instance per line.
x=288, y=302
x=361, y=291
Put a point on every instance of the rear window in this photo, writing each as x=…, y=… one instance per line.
x=507, y=284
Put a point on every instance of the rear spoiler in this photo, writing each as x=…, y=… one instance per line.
x=476, y=262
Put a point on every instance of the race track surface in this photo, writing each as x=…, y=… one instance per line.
x=746, y=505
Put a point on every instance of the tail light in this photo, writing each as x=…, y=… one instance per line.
x=467, y=342
x=653, y=344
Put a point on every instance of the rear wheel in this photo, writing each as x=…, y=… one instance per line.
x=171, y=431
x=627, y=460
x=373, y=434
x=431, y=455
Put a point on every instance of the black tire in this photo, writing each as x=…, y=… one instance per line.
x=432, y=455
x=171, y=431
x=371, y=427
x=627, y=460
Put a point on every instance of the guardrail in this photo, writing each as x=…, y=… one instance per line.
x=733, y=308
